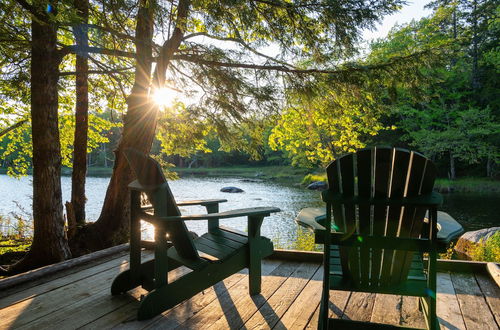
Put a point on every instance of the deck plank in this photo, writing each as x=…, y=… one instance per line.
x=359, y=307
x=448, y=307
x=383, y=303
x=192, y=316
x=48, y=278
x=33, y=308
x=93, y=307
x=237, y=307
x=289, y=300
x=475, y=310
x=491, y=292
x=411, y=316
x=36, y=290
x=303, y=308
x=270, y=314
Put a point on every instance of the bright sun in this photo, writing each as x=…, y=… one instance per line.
x=165, y=96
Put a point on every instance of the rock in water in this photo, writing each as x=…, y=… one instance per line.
x=471, y=239
x=232, y=190
x=318, y=185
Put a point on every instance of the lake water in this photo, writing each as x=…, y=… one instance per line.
x=473, y=211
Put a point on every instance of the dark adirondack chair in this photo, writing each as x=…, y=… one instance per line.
x=212, y=257
x=377, y=203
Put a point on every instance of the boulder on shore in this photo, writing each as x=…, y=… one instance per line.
x=318, y=185
x=232, y=190
x=468, y=241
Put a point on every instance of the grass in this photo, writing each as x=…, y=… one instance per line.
x=469, y=184
x=273, y=173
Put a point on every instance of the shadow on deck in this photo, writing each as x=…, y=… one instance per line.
x=79, y=297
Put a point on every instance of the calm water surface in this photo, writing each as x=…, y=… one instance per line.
x=472, y=210
x=280, y=226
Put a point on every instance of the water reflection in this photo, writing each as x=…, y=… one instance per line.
x=473, y=211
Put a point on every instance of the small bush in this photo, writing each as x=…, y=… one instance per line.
x=310, y=178
x=489, y=250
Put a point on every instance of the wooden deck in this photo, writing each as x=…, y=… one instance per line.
x=80, y=298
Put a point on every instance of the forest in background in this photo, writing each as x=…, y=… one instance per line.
x=444, y=104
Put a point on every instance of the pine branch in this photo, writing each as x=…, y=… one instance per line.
x=241, y=42
x=13, y=127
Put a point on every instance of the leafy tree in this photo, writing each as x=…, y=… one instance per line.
x=448, y=113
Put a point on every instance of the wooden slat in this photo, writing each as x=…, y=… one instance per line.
x=125, y=317
x=235, y=304
x=410, y=225
x=231, y=236
x=93, y=306
x=36, y=290
x=348, y=182
x=399, y=173
x=491, y=293
x=475, y=310
x=364, y=175
x=223, y=241
x=382, y=170
x=34, y=308
x=303, y=308
x=270, y=313
x=359, y=307
x=386, y=309
x=448, y=308
x=411, y=316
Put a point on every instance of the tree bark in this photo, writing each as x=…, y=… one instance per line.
x=452, y=167
x=79, y=173
x=112, y=227
x=139, y=128
x=49, y=239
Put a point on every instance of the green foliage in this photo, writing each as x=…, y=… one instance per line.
x=310, y=178
x=304, y=241
x=488, y=250
x=334, y=120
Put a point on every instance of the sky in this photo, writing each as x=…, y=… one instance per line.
x=413, y=10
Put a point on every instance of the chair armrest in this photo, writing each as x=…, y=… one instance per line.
x=250, y=212
x=202, y=202
x=432, y=199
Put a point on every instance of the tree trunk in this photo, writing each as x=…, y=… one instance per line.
x=452, y=167
x=139, y=127
x=81, y=115
x=49, y=240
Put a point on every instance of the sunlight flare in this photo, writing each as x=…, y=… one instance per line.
x=165, y=96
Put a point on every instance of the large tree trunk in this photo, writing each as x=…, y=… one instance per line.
x=112, y=227
x=49, y=240
x=139, y=128
x=81, y=116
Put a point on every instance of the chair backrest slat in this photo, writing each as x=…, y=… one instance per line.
x=400, y=161
x=150, y=174
x=382, y=164
x=381, y=173
x=349, y=213
x=409, y=223
x=364, y=171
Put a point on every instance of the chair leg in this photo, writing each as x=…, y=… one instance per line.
x=323, y=311
x=254, y=272
x=255, y=258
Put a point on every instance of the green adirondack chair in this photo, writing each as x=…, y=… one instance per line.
x=212, y=257
x=376, y=205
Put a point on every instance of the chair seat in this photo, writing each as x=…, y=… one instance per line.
x=216, y=246
x=414, y=285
